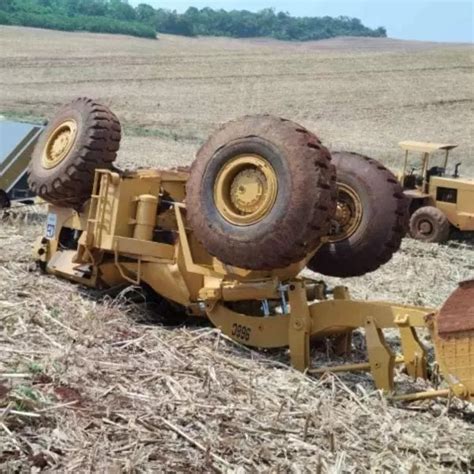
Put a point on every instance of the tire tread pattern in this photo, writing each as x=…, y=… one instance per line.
x=438, y=219
x=373, y=254
x=97, y=147
x=308, y=221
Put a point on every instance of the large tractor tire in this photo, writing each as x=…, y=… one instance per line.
x=429, y=224
x=82, y=137
x=370, y=220
x=261, y=193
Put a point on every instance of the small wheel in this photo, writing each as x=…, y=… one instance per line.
x=429, y=224
x=82, y=136
x=261, y=193
x=370, y=219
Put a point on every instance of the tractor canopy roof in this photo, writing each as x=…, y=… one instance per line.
x=425, y=147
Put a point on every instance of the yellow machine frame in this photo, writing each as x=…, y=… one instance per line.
x=115, y=242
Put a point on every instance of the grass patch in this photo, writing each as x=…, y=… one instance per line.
x=26, y=391
x=140, y=131
x=128, y=129
x=26, y=117
x=35, y=368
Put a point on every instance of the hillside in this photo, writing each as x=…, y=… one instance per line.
x=364, y=94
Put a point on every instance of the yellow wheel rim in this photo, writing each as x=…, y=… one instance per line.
x=59, y=144
x=245, y=189
x=348, y=214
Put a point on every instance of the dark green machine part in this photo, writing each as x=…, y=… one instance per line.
x=17, y=141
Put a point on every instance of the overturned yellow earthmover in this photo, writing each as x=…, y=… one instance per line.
x=227, y=239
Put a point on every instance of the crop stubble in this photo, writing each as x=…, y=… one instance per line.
x=102, y=388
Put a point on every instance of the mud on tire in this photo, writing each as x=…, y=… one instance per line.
x=82, y=136
x=381, y=225
x=279, y=232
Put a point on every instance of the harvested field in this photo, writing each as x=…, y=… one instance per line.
x=94, y=384
x=364, y=94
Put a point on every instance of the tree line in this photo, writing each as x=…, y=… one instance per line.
x=117, y=16
x=97, y=16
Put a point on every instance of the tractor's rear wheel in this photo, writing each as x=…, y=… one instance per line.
x=429, y=224
x=82, y=137
x=370, y=219
x=261, y=193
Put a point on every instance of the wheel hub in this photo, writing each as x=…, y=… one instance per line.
x=425, y=227
x=343, y=213
x=59, y=144
x=348, y=214
x=245, y=189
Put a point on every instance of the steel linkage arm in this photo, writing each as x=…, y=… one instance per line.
x=336, y=317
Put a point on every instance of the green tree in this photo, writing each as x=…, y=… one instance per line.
x=121, y=10
x=117, y=16
x=145, y=13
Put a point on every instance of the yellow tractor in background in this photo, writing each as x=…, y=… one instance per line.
x=227, y=239
x=438, y=201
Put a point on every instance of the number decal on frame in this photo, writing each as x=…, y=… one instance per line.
x=51, y=223
x=241, y=332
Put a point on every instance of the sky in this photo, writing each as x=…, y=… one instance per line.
x=425, y=20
